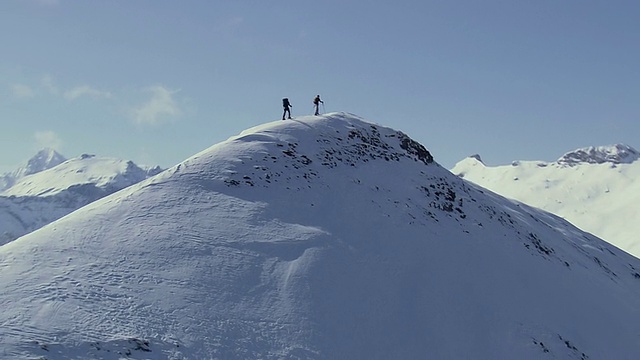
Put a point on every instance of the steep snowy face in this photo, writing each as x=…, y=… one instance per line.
x=615, y=154
x=323, y=237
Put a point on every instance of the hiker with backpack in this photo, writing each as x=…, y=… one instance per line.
x=316, y=104
x=287, y=108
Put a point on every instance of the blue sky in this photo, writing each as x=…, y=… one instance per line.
x=156, y=81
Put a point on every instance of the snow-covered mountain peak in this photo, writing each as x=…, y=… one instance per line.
x=340, y=139
x=615, y=154
x=324, y=237
x=43, y=160
x=477, y=157
x=293, y=152
x=335, y=140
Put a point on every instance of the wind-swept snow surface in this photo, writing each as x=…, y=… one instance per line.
x=316, y=238
x=595, y=188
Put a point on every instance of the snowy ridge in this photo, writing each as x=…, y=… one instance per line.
x=318, y=238
x=101, y=173
x=615, y=154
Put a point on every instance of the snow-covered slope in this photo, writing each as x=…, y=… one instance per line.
x=315, y=238
x=595, y=188
x=44, y=194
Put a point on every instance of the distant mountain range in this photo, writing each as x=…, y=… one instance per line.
x=595, y=188
x=50, y=186
x=321, y=237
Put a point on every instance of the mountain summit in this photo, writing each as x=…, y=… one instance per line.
x=324, y=237
x=43, y=160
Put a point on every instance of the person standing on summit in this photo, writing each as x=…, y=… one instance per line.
x=287, y=107
x=316, y=104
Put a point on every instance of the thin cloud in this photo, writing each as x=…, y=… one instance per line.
x=47, y=139
x=160, y=107
x=48, y=85
x=21, y=91
x=86, y=90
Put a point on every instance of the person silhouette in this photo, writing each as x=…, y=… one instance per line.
x=316, y=104
x=287, y=108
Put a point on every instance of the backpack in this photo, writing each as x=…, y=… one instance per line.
x=285, y=102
